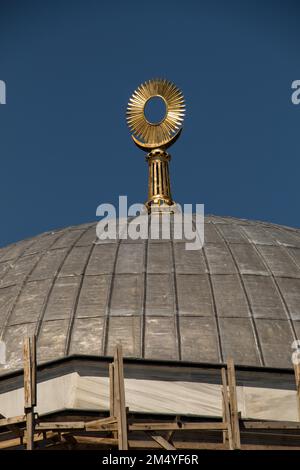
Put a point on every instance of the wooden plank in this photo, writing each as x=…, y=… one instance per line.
x=119, y=399
x=103, y=427
x=14, y=420
x=79, y=425
x=111, y=390
x=169, y=435
x=94, y=440
x=12, y=427
x=54, y=426
x=226, y=408
x=108, y=424
x=163, y=442
x=297, y=380
x=143, y=444
x=8, y=443
x=112, y=408
x=17, y=441
x=27, y=373
x=271, y=433
x=29, y=358
x=268, y=447
x=271, y=425
x=33, y=370
x=224, y=412
x=112, y=425
x=181, y=426
x=233, y=404
x=297, y=372
x=101, y=423
x=29, y=430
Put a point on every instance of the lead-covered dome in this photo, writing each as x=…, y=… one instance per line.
x=239, y=296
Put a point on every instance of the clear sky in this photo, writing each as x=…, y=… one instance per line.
x=70, y=67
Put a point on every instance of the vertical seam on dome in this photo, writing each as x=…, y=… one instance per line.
x=251, y=316
x=41, y=317
x=108, y=306
x=264, y=261
x=216, y=318
x=176, y=318
x=76, y=301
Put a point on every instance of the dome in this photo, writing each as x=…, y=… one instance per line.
x=238, y=297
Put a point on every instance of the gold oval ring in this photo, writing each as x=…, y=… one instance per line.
x=156, y=134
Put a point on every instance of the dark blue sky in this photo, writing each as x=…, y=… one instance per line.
x=70, y=67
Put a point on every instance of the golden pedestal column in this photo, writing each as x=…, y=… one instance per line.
x=159, y=190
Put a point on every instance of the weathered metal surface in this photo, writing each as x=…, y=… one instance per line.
x=239, y=296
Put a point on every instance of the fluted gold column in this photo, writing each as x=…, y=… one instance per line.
x=159, y=190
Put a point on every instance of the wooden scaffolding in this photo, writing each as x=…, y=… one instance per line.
x=121, y=430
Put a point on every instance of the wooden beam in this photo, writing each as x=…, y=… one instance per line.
x=233, y=404
x=29, y=357
x=225, y=411
x=137, y=444
x=94, y=440
x=104, y=424
x=225, y=432
x=101, y=424
x=143, y=444
x=227, y=419
x=111, y=424
x=13, y=427
x=14, y=420
x=17, y=441
x=29, y=430
x=180, y=426
x=33, y=370
x=119, y=399
x=163, y=442
x=268, y=447
x=271, y=425
x=272, y=433
x=297, y=380
x=169, y=434
x=30, y=382
x=111, y=390
x=57, y=426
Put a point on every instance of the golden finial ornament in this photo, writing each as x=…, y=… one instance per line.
x=155, y=138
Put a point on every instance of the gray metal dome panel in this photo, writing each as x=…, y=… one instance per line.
x=239, y=296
